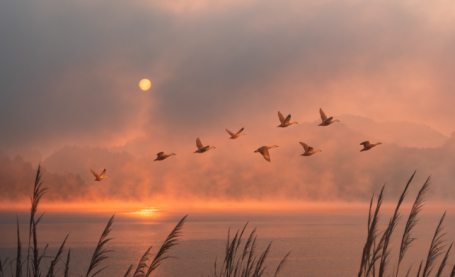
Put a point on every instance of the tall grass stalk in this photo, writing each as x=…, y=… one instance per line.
x=370, y=246
x=67, y=264
x=2, y=266
x=54, y=262
x=170, y=241
x=128, y=271
x=435, y=248
x=407, y=240
x=19, y=250
x=37, y=194
x=101, y=252
x=388, y=233
x=142, y=265
x=444, y=262
x=247, y=264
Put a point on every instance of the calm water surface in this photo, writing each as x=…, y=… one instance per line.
x=323, y=243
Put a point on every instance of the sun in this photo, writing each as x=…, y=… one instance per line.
x=145, y=84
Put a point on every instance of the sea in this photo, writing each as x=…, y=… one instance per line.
x=325, y=243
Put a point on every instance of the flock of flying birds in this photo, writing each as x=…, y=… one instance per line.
x=264, y=150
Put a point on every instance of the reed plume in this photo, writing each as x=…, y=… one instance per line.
x=388, y=233
x=234, y=266
x=100, y=253
x=283, y=261
x=366, y=261
x=142, y=265
x=67, y=264
x=37, y=194
x=406, y=241
x=170, y=241
x=2, y=266
x=435, y=248
x=54, y=262
x=444, y=262
x=128, y=271
x=19, y=250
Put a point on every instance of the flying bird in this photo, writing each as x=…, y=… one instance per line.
x=236, y=135
x=99, y=177
x=326, y=121
x=308, y=150
x=285, y=121
x=264, y=150
x=367, y=145
x=201, y=148
x=161, y=156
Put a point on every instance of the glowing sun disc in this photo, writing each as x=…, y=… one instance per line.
x=145, y=84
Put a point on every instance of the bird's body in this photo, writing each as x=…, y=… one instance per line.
x=264, y=150
x=99, y=177
x=326, y=121
x=308, y=150
x=367, y=145
x=161, y=156
x=236, y=135
x=285, y=122
x=201, y=148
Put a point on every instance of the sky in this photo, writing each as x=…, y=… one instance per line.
x=69, y=75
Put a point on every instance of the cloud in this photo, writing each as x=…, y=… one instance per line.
x=69, y=72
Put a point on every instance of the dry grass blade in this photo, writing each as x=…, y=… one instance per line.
x=37, y=194
x=366, y=264
x=142, y=265
x=452, y=274
x=388, y=233
x=283, y=261
x=420, y=267
x=170, y=241
x=2, y=266
x=435, y=249
x=409, y=270
x=128, y=271
x=19, y=250
x=412, y=221
x=444, y=262
x=67, y=264
x=54, y=262
x=100, y=252
x=260, y=263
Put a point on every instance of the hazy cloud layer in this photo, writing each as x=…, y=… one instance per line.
x=69, y=71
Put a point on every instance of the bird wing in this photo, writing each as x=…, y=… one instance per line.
x=281, y=117
x=241, y=130
x=305, y=146
x=265, y=152
x=229, y=132
x=327, y=121
x=199, y=143
x=365, y=143
x=323, y=116
x=94, y=173
x=102, y=173
x=288, y=118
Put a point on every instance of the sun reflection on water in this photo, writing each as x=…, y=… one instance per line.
x=150, y=212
